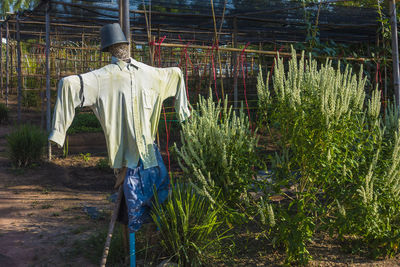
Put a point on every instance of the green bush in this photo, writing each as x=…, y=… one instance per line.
x=371, y=201
x=218, y=152
x=30, y=99
x=3, y=113
x=26, y=145
x=188, y=226
x=85, y=123
x=337, y=154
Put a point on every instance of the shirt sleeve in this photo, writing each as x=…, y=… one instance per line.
x=174, y=85
x=73, y=91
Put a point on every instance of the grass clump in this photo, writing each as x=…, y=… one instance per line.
x=3, y=113
x=26, y=145
x=189, y=226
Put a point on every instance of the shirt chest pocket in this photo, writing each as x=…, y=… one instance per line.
x=148, y=99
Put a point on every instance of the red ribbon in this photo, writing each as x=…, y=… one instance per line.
x=244, y=79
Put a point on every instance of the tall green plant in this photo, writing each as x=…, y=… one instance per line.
x=337, y=154
x=371, y=211
x=218, y=152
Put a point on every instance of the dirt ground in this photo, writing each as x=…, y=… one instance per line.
x=42, y=212
x=42, y=208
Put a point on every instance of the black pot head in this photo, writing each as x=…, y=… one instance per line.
x=111, y=34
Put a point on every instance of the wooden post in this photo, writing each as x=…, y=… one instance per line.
x=395, y=51
x=101, y=58
x=83, y=40
x=132, y=48
x=48, y=97
x=7, y=61
x=1, y=60
x=235, y=66
x=19, y=69
x=66, y=60
x=152, y=50
x=11, y=84
x=42, y=93
x=124, y=20
x=217, y=49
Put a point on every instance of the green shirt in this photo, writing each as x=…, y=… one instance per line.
x=127, y=99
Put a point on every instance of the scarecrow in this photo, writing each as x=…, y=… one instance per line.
x=126, y=96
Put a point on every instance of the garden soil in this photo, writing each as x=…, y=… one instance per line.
x=42, y=212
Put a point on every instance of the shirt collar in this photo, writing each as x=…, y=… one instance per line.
x=122, y=64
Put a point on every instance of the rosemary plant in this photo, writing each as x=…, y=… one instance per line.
x=337, y=153
x=218, y=151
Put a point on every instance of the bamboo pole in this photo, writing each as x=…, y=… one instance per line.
x=228, y=49
x=7, y=61
x=19, y=70
x=217, y=46
x=124, y=20
x=66, y=59
x=132, y=49
x=42, y=93
x=1, y=60
x=100, y=58
x=11, y=67
x=111, y=228
x=235, y=67
x=48, y=97
x=267, y=53
x=395, y=51
x=180, y=30
x=82, y=45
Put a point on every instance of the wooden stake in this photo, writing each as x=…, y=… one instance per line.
x=7, y=61
x=48, y=99
x=235, y=66
x=125, y=234
x=1, y=60
x=11, y=85
x=217, y=46
x=111, y=228
x=19, y=71
x=82, y=54
x=395, y=51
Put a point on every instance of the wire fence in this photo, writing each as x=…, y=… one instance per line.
x=227, y=68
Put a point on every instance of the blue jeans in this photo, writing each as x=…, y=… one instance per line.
x=139, y=193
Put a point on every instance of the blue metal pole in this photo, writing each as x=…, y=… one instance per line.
x=132, y=252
